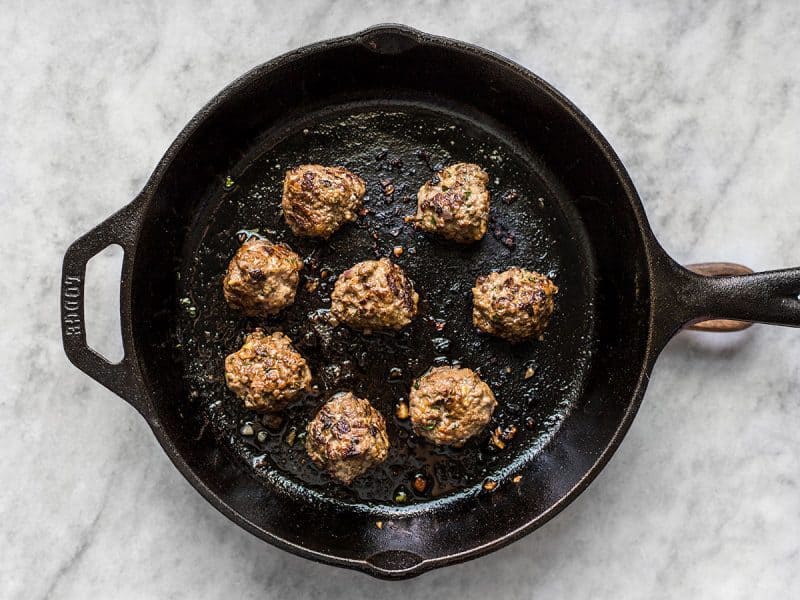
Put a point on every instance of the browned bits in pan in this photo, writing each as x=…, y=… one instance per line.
x=401, y=410
x=420, y=484
x=501, y=436
x=509, y=433
x=272, y=421
x=497, y=440
x=291, y=436
x=388, y=187
x=503, y=235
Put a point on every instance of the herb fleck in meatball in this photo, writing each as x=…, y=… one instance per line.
x=267, y=372
x=347, y=437
x=318, y=200
x=455, y=204
x=450, y=405
x=515, y=304
x=374, y=294
x=262, y=277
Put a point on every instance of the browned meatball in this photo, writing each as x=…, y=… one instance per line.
x=318, y=200
x=374, y=294
x=455, y=204
x=515, y=304
x=262, y=277
x=347, y=437
x=267, y=372
x=449, y=405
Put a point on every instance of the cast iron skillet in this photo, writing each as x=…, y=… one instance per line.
x=394, y=104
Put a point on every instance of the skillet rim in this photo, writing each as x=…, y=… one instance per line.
x=654, y=256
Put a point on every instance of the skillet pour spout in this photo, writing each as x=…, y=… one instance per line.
x=563, y=204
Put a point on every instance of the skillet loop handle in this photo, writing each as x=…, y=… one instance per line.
x=122, y=377
x=728, y=297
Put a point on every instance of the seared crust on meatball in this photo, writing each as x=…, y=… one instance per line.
x=318, y=200
x=347, y=437
x=515, y=304
x=455, y=204
x=267, y=373
x=450, y=405
x=374, y=294
x=262, y=277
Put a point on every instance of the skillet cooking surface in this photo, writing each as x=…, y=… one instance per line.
x=396, y=144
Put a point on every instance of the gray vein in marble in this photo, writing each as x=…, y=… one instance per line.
x=85, y=539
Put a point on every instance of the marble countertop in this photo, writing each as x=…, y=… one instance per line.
x=702, y=102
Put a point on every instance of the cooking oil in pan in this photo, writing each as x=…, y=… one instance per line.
x=536, y=383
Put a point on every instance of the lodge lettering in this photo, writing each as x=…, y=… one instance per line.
x=71, y=303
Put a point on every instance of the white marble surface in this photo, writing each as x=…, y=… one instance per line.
x=701, y=100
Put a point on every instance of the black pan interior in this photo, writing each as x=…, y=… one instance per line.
x=422, y=104
x=395, y=148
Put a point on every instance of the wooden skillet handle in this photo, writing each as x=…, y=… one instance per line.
x=712, y=270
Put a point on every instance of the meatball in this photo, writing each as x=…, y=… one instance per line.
x=262, y=277
x=267, y=373
x=449, y=405
x=374, y=294
x=347, y=437
x=455, y=204
x=515, y=304
x=318, y=200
